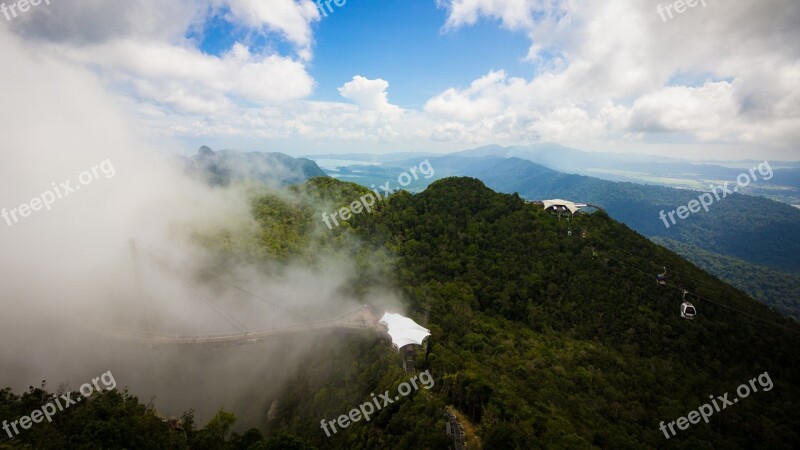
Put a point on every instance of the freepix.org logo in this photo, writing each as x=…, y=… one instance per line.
x=10, y=11
x=367, y=201
x=705, y=411
x=679, y=6
x=366, y=409
x=59, y=191
x=324, y=6
x=706, y=199
x=59, y=403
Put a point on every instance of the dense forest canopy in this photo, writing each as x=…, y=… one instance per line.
x=540, y=339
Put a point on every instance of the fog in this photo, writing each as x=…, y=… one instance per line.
x=69, y=266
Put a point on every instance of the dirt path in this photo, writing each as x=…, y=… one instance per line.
x=471, y=439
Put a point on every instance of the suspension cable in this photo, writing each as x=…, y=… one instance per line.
x=682, y=275
x=215, y=276
x=140, y=285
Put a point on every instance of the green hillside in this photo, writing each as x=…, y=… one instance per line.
x=224, y=167
x=750, y=228
x=543, y=346
x=753, y=229
x=537, y=341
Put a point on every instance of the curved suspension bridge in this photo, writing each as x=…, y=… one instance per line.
x=362, y=318
x=359, y=319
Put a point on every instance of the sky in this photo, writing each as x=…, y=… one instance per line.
x=84, y=174
x=716, y=81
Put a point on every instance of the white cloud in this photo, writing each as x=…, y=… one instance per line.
x=140, y=47
x=188, y=81
x=369, y=94
x=303, y=120
x=93, y=21
x=514, y=14
x=602, y=74
x=81, y=22
x=484, y=97
x=609, y=78
x=707, y=110
x=292, y=18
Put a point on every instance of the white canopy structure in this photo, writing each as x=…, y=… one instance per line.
x=559, y=204
x=403, y=330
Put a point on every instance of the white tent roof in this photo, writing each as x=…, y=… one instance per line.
x=403, y=330
x=571, y=206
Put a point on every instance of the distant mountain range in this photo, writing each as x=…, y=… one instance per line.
x=226, y=166
x=537, y=343
x=744, y=239
x=754, y=231
x=747, y=227
x=635, y=168
x=784, y=185
x=571, y=159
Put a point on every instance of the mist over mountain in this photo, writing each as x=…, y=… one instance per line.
x=535, y=334
x=224, y=167
x=318, y=224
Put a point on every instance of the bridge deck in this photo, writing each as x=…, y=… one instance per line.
x=362, y=318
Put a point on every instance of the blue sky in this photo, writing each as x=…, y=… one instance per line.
x=403, y=41
x=397, y=40
x=719, y=81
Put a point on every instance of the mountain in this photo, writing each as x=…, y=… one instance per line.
x=538, y=339
x=573, y=160
x=564, y=158
x=750, y=228
x=783, y=184
x=372, y=157
x=653, y=169
x=537, y=343
x=742, y=239
x=227, y=166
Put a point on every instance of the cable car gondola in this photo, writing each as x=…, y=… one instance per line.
x=687, y=309
x=661, y=278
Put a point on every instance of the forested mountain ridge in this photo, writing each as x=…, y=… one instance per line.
x=754, y=229
x=541, y=343
x=223, y=167
x=653, y=169
x=750, y=228
x=529, y=330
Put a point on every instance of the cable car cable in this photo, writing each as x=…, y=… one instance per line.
x=215, y=276
x=682, y=275
x=648, y=275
